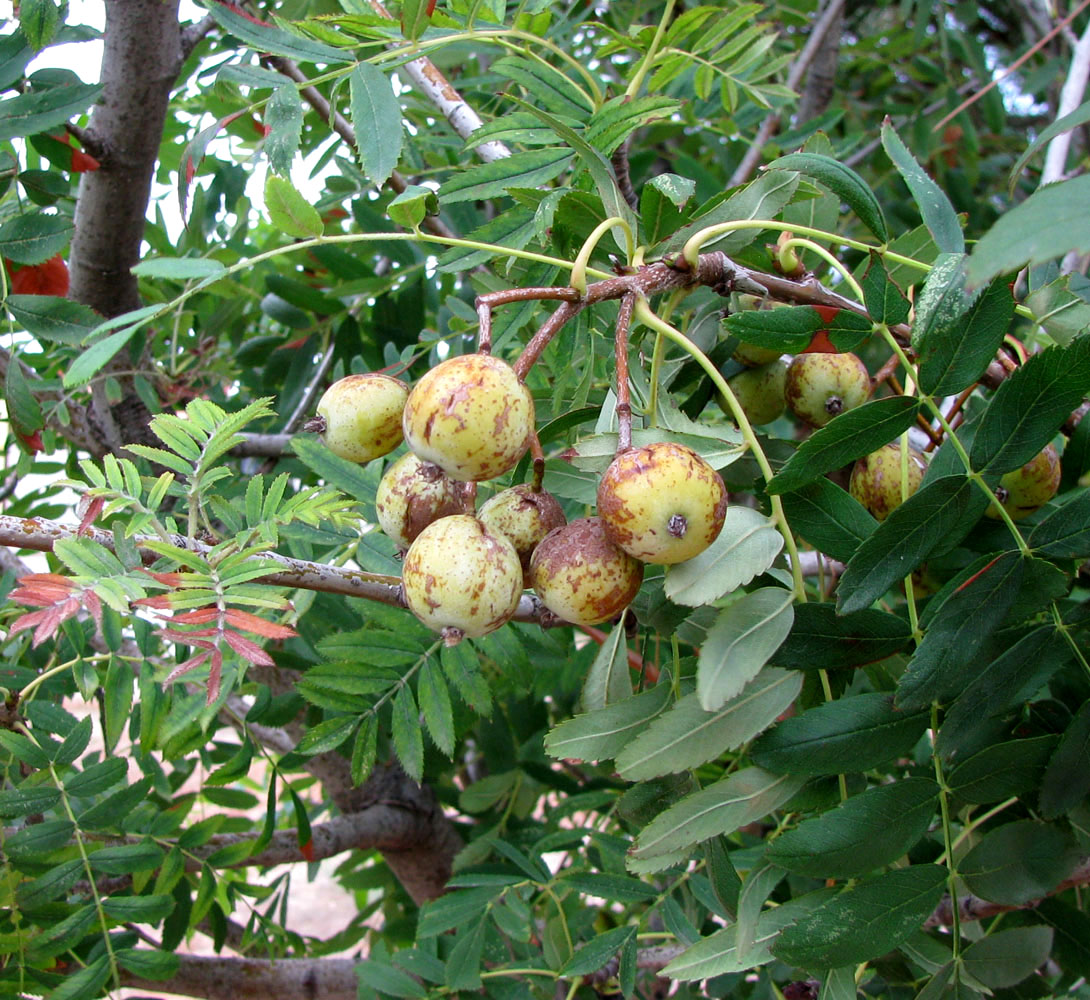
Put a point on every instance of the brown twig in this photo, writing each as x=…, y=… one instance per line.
x=624, y=394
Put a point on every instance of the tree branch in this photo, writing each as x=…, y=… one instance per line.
x=218, y=978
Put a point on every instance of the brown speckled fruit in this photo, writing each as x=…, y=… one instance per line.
x=876, y=479
x=362, y=416
x=471, y=416
x=411, y=495
x=820, y=386
x=662, y=503
x=461, y=579
x=581, y=576
x=1028, y=489
x=759, y=391
x=525, y=516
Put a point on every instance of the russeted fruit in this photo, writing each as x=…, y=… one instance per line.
x=1025, y=490
x=412, y=494
x=471, y=416
x=661, y=503
x=759, y=391
x=524, y=516
x=820, y=386
x=461, y=579
x=581, y=576
x=362, y=416
x=878, y=482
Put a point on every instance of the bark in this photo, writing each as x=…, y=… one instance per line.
x=257, y=979
x=821, y=80
x=141, y=57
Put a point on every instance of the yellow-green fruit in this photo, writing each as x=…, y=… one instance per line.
x=461, y=579
x=661, y=503
x=362, y=415
x=1025, y=490
x=751, y=355
x=524, y=516
x=581, y=576
x=471, y=416
x=759, y=391
x=877, y=478
x=412, y=494
x=820, y=386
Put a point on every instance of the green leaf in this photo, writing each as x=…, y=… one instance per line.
x=1066, y=781
x=435, y=704
x=75, y=742
x=34, y=238
x=1002, y=770
x=863, y=922
x=389, y=980
x=1005, y=958
x=127, y=858
x=109, y=813
x=829, y=518
x=789, y=330
x=608, y=680
x=49, y=317
x=852, y=435
x=618, y=887
x=590, y=957
x=268, y=38
x=464, y=962
x=178, y=268
x=514, y=228
x=762, y=198
x=1029, y=407
x=29, y=114
x=942, y=303
x=1070, y=121
x=688, y=736
x=364, y=750
x=605, y=732
x=17, y=802
x=661, y=202
x=935, y=518
x=744, y=636
x=1065, y=533
x=552, y=88
x=883, y=299
x=326, y=735
x=1071, y=935
x=376, y=118
x=284, y=118
x=954, y=356
x=146, y=963
x=57, y=880
x=853, y=733
x=39, y=20
x=23, y=409
x=935, y=208
x=844, y=182
x=415, y=17
x=94, y=358
x=746, y=546
x=531, y=168
x=24, y=749
x=864, y=832
x=117, y=701
x=721, y=808
x=454, y=909
x=139, y=909
x=358, y=481
x=1018, y=862
x=406, y=734
x=1047, y=225
x=956, y=631
x=86, y=983
x=821, y=639
x=411, y=207
x=620, y=116
x=38, y=838
x=1060, y=308
x=288, y=210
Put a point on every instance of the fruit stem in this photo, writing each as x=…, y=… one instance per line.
x=646, y=315
x=487, y=302
x=579, y=268
x=624, y=392
x=649, y=57
x=540, y=340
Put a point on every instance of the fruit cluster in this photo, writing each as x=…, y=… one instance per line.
x=471, y=419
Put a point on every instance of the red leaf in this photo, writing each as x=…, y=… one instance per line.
x=214, y=674
x=260, y=127
x=826, y=312
x=157, y=601
x=184, y=668
x=821, y=344
x=172, y=579
x=48, y=278
x=188, y=637
x=198, y=617
x=32, y=442
x=249, y=651
x=252, y=623
x=91, y=508
x=307, y=849
x=83, y=162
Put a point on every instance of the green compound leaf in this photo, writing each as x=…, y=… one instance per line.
x=289, y=211
x=1018, y=862
x=844, y=182
x=376, y=119
x=821, y=639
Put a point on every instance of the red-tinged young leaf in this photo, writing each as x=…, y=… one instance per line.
x=159, y=601
x=249, y=651
x=252, y=623
x=167, y=579
x=94, y=607
x=31, y=442
x=215, y=672
x=198, y=617
x=89, y=512
x=188, y=637
x=187, y=665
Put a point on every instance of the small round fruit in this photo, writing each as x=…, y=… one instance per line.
x=1025, y=490
x=759, y=391
x=819, y=386
x=412, y=494
x=662, y=503
x=876, y=480
x=524, y=516
x=581, y=576
x=752, y=356
x=461, y=579
x=471, y=416
x=362, y=415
